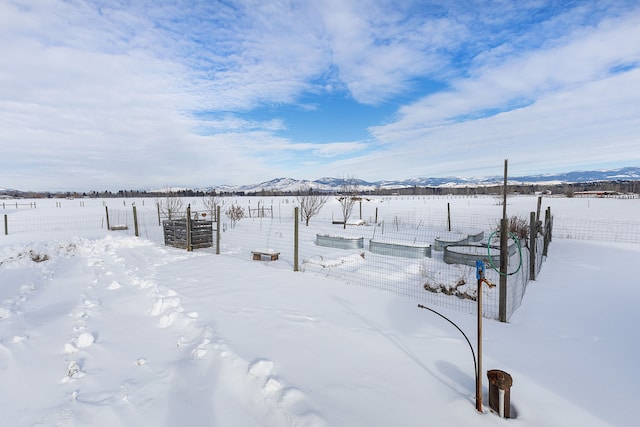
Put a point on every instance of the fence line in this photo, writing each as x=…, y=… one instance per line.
x=604, y=230
x=428, y=280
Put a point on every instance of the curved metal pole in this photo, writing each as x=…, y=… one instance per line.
x=475, y=365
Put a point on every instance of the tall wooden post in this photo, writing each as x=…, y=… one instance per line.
x=6, y=225
x=158, y=207
x=189, y=246
x=533, y=233
x=135, y=220
x=480, y=276
x=504, y=253
x=295, y=238
x=504, y=191
x=106, y=208
x=449, y=215
x=547, y=231
x=218, y=230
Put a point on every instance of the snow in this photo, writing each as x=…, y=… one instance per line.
x=101, y=328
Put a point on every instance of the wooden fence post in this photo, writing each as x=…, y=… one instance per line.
x=504, y=258
x=135, y=220
x=295, y=238
x=218, y=230
x=189, y=246
x=158, y=206
x=504, y=251
x=533, y=232
x=106, y=208
x=6, y=225
x=547, y=231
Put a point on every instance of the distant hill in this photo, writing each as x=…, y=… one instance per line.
x=334, y=184
x=328, y=184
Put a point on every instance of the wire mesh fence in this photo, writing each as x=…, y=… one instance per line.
x=603, y=230
x=401, y=251
x=44, y=224
x=410, y=265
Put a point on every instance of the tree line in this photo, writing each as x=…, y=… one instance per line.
x=568, y=189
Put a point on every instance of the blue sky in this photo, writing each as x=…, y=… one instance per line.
x=101, y=95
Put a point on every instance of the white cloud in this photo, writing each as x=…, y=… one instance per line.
x=94, y=94
x=378, y=50
x=585, y=57
x=593, y=123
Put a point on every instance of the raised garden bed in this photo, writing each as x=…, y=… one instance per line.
x=450, y=238
x=468, y=254
x=339, y=242
x=399, y=249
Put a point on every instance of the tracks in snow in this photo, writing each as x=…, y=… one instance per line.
x=130, y=342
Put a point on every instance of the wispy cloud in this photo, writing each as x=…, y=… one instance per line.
x=128, y=93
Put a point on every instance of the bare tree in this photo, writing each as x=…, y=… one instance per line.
x=235, y=213
x=347, y=199
x=310, y=203
x=211, y=202
x=171, y=206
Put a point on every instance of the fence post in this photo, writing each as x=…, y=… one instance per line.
x=295, y=238
x=106, y=208
x=135, y=220
x=449, y=216
x=547, y=231
x=218, y=230
x=550, y=224
x=189, y=247
x=6, y=225
x=504, y=258
x=158, y=206
x=533, y=232
x=538, y=209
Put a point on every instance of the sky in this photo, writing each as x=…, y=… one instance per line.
x=108, y=95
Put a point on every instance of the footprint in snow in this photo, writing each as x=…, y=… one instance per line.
x=261, y=369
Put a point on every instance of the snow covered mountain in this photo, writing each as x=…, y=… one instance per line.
x=330, y=184
x=335, y=184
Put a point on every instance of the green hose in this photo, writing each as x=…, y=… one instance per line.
x=513, y=236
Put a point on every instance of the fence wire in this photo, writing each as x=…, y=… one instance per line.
x=387, y=251
x=603, y=230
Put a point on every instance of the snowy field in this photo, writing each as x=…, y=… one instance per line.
x=101, y=328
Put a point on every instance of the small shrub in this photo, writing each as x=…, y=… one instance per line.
x=235, y=213
x=519, y=227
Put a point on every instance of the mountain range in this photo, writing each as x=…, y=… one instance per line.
x=335, y=184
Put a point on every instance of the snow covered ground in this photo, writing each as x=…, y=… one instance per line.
x=102, y=328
